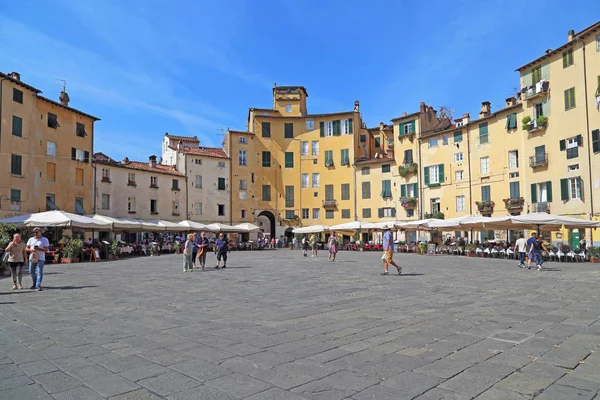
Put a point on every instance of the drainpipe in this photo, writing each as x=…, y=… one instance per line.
x=470, y=174
x=187, y=203
x=355, y=209
x=1, y=82
x=589, y=140
x=94, y=187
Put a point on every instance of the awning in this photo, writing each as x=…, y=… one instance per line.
x=57, y=219
x=247, y=227
x=311, y=229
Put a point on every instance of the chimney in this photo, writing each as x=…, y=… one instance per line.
x=511, y=101
x=570, y=35
x=466, y=118
x=15, y=75
x=179, y=145
x=126, y=160
x=485, y=109
x=404, y=114
x=422, y=107
x=381, y=126
x=356, y=106
x=64, y=98
x=152, y=161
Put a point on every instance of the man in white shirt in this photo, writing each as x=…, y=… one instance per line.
x=521, y=247
x=37, y=247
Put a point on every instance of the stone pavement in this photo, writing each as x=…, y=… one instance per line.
x=277, y=326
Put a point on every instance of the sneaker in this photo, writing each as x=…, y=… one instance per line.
x=39, y=289
x=399, y=270
x=191, y=269
x=520, y=265
x=185, y=270
x=14, y=287
x=539, y=268
x=224, y=266
x=385, y=273
x=217, y=267
x=20, y=286
x=32, y=287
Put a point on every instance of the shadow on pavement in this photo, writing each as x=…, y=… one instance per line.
x=66, y=287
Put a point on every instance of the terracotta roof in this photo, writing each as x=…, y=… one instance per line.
x=292, y=88
x=103, y=159
x=308, y=116
x=375, y=161
x=214, y=152
x=26, y=86
x=264, y=109
x=241, y=132
x=186, y=138
x=442, y=125
x=583, y=33
x=496, y=113
x=56, y=103
x=405, y=116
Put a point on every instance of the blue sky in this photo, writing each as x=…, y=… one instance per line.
x=147, y=67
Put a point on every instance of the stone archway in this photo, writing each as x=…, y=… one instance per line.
x=269, y=215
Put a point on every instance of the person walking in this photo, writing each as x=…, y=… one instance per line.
x=305, y=246
x=313, y=244
x=222, y=248
x=333, y=247
x=203, y=245
x=37, y=247
x=294, y=243
x=188, y=249
x=530, y=243
x=388, y=252
x=16, y=258
x=536, y=250
x=194, y=250
x=521, y=248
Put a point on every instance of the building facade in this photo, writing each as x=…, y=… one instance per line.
x=170, y=144
x=45, y=149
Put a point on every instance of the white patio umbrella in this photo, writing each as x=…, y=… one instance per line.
x=452, y=222
x=218, y=227
x=146, y=226
x=247, y=227
x=545, y=221
x=311, y=229
x=166, y=225
x=188, y=225
x=491, y=223
x=57, y=218
x=117, y=224
x=419, y=225
x=353, y=226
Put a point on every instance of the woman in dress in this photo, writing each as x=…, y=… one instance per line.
x=333, y=247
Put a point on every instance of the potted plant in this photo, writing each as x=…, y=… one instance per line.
x=470, y=250
x=526, y=123
x=176, y=247
x=57, y=258
x=114, y=250
x=422, y=248
x=361, y=246
x=541, y=121
x=594, y=254
x=72, y=250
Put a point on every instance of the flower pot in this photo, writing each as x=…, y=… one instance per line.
x=361, y=249
x=470, y=254
x=66, y=260
x=595, y=260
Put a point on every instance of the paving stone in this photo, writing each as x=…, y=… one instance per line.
x=109, y=384
x=381, y=392
x=203, y=392
x=276, y=394
x=147, y=371
x=56, y=351
x=166, y=357
x=15, y=381
x=559, y=392
x=287, y=376
x=37, y=367
x=26, y=392
x=501, y=394
x=116, y=363
x=78, y=393
x=168, y=383
x=411, y=383
x=140, y=394
x=524, y=384
x=56, y=381
x=239, y=385
x=201, y=370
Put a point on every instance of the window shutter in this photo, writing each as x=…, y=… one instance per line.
x=596, y=140
x=579, y=140
x=86, y=157
x=564, y=189
x=549, y=190
x=322, y=128
x=393, y=212
x=412, y=126
x=426, y=175
x=566, y=100
x=380, y=212
x=73, y=153
x=336, y=127
x=580, y=187
x=402, y=190
x=401, y=128
x=562, y=144
x=441, y=172
x=350, y=121
x=533, y=193
x=546, y=107
x=416, y=190
x=457, y=136
x=508, y=121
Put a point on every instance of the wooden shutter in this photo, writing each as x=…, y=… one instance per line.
x=579, y=140
x=533, y=193
x=401, y=129
x=86, y=157
x=50, y=171
x=17, y=126
x=412, y=126
x=337, y=127
x=562, y=144
x=380, y=212
x=322, y=129
x=441, y=173
x=79, y=176
x=426, y=175
x=416, y=190
x=580, y=187
x=564, y=189
x=457, y=136
x=402, y=190
x=288, y=130
x=408, y=157
x=350, y=125
x=266, y=129
x=73, y=153
x=515, y=191
x=393, y=212
x=596, y=140
x=549, y=190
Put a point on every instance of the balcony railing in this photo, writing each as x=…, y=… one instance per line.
x=536, y=90
x=538, y=160
x=542, y=206
x=329, y=203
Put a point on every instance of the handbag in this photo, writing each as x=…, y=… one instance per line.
x=5, y=257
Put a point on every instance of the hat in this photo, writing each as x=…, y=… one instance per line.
x=36, y=229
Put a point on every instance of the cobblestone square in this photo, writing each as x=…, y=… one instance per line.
x=276, y=325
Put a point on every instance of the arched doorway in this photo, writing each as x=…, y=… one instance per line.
x=269, y=215
x=289, y=235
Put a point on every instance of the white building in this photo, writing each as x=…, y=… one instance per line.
x=169, y=144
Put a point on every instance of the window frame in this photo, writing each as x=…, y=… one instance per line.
x=242, y=158
x=575, y=184
x=461, y=202
x=482, y=170
x=462, y=175
x=458, y=159
x=433, y=142
x=513, y=165
x=318, y=180
x=305, y=183
x=50, y=145
x=17, y=96
x=570, y=99
x=304, y=149
x=314, y=148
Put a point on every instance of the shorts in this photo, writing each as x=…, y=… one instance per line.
x=387, y=256
x=305, y=246
x=314, y=246
x=222, y=254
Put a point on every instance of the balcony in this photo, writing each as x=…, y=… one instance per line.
x=538, y=160
x=408, y=202
x=152, y=186
x=514, y=204
x=534, y=125
x=106, y=179
x=175, y=189
x=291, y=222
x=329, y=203
x=542, y=206
x=540, y=89
x=408, y=169
x=131, y=183
x=485, y=207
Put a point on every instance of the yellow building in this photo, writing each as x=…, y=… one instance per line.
x=298, y=166
x=45, y=149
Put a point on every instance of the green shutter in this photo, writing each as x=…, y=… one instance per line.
x=579, y=140
x=426, y=175
x=596, y=140
x=533, y=193
x=289, y=159
x=393, y=212
x=412, y=126
x=350, y=121
x=337, y=128
x=549, y=190
x=377, y=142
x=441, y=172
x=581, y=187
x=416, y=190
x=17, y=126
x=562, y=144
x=322, y=128
x=566, y=100
x=380, y=212
x=401, y=129
x=457, y=136
x=564, y=189
x=402, y=190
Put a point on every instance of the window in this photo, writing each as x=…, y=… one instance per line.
x=329, y=195
x=458, y=157
x=242, y=158
x=221, y=164
x=596, y=136
x=175, y=207
x=445, y=140
x=377, y=142
x=106, y=202
x=315, y=148
x=408, y=156
x=434, y=175
x=221, y=184
x=80, y=130
x=305, y=213
x=17, y=126
x=50, y=148
x=266, y=192
x=266, y=129
x=457, y=136
x=387, y=212
x=406, y=128
x=105, y=175
x=344, y=158
x=483, y=133
x=197, y=183
x=154, y=182
x=80, y=155
x=310, y=125
x=385, y=168
x=304, y=149
x=515, y=190
x=243, y=195
x=304, y=179
x=79, y=206
x=409, y=190
x=198, y=161
x=288, y=108
x=366, y=213
x=433, y=142
x=541, y=192
x=569, y=99
x=289, y=159
x=288, y=130
x=153, y=206
x=243, y=214
x=50, y=202
x=131, y=204
x=347, y=126
x=221, y=210
x=53, y=121
x=538, y=110
x=15, y=200
x=485, y=165
x=366, y=190
x=459, y=175
x=573, y=167
x=460, y=203
x=266, y=159
x=198, y=208
x=289, y=214
x=328, y=128
x=243, y=140
x=567, y=57
x=329, y=214
x=485, y=193
x=345, y=191
x=410, y=212
x=289, y=196
x=572, y=145
x=575, y=188
x=386, y=188
x=513, y=175
x=328, y=158
x=435, y=206
x=79, y=176
x=252, y=177
x=363, y=138
x=316, y=213
x=345, y=214
x=511, y=121
x=50, y=171
x=15, y=164
x=390, y=142
x=365, y=170
x=243, y=184
x=598, y=43
x=536, y=74
x=175, y=185
x=316, y=180
x=513, y=159
x=17, y=96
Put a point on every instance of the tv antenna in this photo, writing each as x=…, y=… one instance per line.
x=64, y=84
